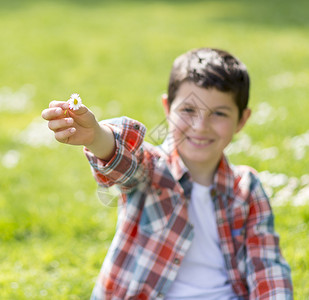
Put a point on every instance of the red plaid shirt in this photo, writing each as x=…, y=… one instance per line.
x=153, y=232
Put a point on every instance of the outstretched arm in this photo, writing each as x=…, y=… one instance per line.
x=113, y=147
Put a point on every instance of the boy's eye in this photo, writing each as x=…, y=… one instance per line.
x=188, y=110
x=219, y=114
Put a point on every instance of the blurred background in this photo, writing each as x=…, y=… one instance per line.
x=54, y=232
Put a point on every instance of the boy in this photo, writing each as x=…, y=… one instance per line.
x=190, y=225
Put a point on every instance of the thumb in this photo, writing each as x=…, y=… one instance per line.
x=80, y=111
x=83, y=116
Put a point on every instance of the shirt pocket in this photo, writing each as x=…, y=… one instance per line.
x=240, y=249
x=238, y=237
x=157, y=211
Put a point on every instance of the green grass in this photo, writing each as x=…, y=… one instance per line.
x=117, y=55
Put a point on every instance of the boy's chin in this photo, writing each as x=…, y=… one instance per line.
x=199, y=156
x=193, y=157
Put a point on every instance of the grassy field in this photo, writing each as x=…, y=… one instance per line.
x=117, y=56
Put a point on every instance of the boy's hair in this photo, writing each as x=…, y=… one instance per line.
x=211, y=68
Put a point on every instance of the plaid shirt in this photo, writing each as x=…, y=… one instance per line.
x=153, y=232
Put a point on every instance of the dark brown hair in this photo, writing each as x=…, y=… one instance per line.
x=211, y=68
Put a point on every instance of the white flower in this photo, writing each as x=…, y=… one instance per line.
x=75, y=102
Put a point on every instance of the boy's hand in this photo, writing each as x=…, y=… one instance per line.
x=79, y=127
x=71, y=127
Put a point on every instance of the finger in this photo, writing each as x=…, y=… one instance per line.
x=63, y=104
x=60, y=124
x=64, y=135
x=52, y=113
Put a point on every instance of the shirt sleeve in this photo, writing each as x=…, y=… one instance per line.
x=268, y=274
x=125, y=168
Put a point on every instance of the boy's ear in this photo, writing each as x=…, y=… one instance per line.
x=245, y=116
x=165, y=104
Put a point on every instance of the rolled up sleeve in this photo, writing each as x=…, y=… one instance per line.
x=123, y=168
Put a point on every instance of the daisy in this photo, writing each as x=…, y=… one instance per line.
x=75, y=102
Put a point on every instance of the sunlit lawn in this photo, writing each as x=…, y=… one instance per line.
x=117, y=56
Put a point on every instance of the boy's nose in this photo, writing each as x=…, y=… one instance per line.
x=201, y=122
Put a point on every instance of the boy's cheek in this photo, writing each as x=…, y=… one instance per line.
x=181, y=125
x=178, y=134
x=176, y=127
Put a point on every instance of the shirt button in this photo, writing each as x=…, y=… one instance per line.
x=213, y=193
x=160, y=295
x=176, y=261
x=136, y=126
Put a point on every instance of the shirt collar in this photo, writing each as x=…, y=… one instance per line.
x=176, y=164
x=224, y=178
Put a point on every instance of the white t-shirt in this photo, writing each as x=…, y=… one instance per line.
x=202, y=274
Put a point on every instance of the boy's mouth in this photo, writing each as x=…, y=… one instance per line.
x=199, y=142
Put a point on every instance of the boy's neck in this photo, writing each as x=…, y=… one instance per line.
x=201, y=174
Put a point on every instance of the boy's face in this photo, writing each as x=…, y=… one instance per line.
x=202, y=122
